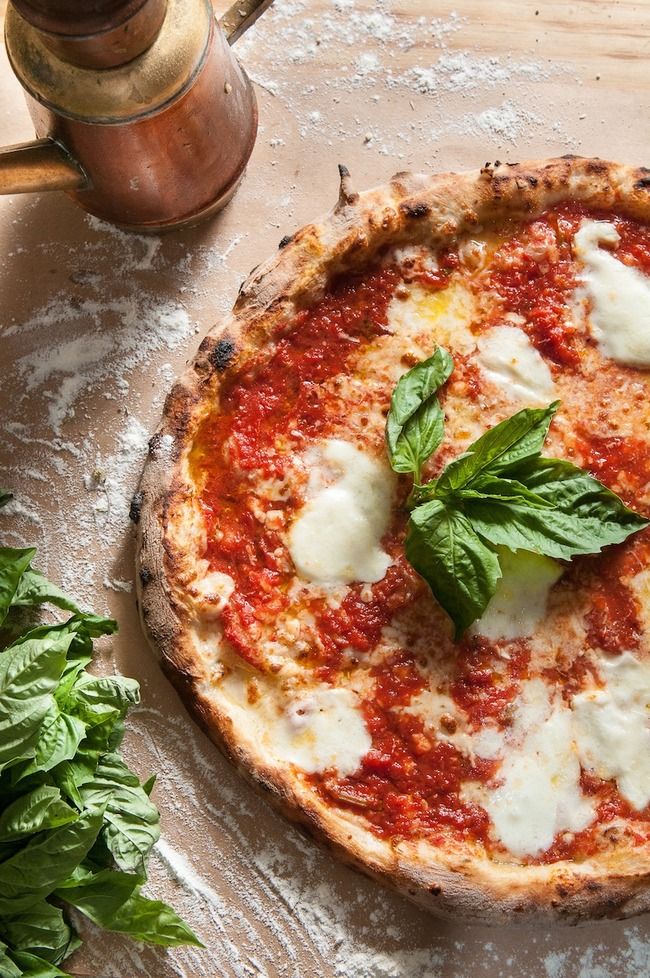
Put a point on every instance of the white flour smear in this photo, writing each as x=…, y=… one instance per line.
x=441, y=68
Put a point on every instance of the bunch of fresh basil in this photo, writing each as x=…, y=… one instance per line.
x=501, y=492
x=76, y=825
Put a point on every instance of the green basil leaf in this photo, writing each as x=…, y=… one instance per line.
x=95, y=699
x=58, y=740
x=460, y=569
x=152, y=921
x=35, y=871
x=554, y=532
x=113, y=901
x=415, y=423
x=38, y=810
x=40, y=930
x=498, y=488
x=149, y=784
x=70, y=776
x=35, y=967
x=131, y=821
x=8, y=968
x=5, y=497
x=506, y=445
x=29, y=672
x=13, y=564
x=35, y=589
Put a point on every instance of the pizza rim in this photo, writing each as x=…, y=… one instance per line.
x=410, y=209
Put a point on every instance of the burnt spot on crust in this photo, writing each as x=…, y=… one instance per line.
x=642, y=184
x=596, y=166
x=435, y=890
x=347, y=195
x=136, y=506
x=145, y=576
x=287, y=239
x=223, y=354
x=154, y=445
x=417, y=210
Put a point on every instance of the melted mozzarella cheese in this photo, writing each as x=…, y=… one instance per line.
x=519, y=604
x=539, y=794
x=509, y=360
x=213, y=591
x=619, y=297
x=612, y=727
x=321, y=729
x=443, y=317
x=336, y=536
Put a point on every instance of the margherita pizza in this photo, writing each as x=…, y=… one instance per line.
x=392, y=544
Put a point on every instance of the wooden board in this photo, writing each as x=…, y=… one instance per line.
x=96, y=323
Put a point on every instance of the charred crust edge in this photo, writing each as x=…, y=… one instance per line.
x=135, y=507
x=223, y=353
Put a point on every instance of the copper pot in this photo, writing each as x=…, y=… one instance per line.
x=145, y=117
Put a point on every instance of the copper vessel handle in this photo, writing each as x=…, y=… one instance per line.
x=41, y=164
x=238, y=18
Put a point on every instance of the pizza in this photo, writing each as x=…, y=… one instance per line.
x=500, y=768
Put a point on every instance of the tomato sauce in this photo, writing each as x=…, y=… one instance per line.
x=541, y=289
x=622, y=463
x=486, y=684
x=538, y=289
x=409, y=783
x=270, y=404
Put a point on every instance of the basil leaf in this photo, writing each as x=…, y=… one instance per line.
x=507, y=444
x=152, y=921
x=585, y=518
x=39, y=809
x=95, y=699
x=13, y=564
x=8, y=968
x=35, y=871
x=497, y=488
x=35, y=589
x=40, y=930
x=415, y=423
x=460, y=569
x=29, y=672
x=113, y=901
x=5, y=497
x=131, y=819
x=35, y=967
x=58, y=740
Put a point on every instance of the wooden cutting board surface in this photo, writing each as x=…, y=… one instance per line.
x=96, y=323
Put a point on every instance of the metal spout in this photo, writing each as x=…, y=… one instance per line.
x=39, y=165
x=242, y=15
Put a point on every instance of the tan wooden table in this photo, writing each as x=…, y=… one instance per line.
x=95, y=323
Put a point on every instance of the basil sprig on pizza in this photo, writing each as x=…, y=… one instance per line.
x=501, y=492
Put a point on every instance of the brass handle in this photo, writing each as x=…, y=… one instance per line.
x=37, y=166
x=238, y=18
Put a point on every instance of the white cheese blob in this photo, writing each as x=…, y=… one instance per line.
x=212, y=592
x=519, y=603
x=612, y=727
x=539, y=794
x=322, y=730
x=619, y=296
x=509, y=360
x=336, y=537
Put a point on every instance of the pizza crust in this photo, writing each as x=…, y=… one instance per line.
x=412, y=208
